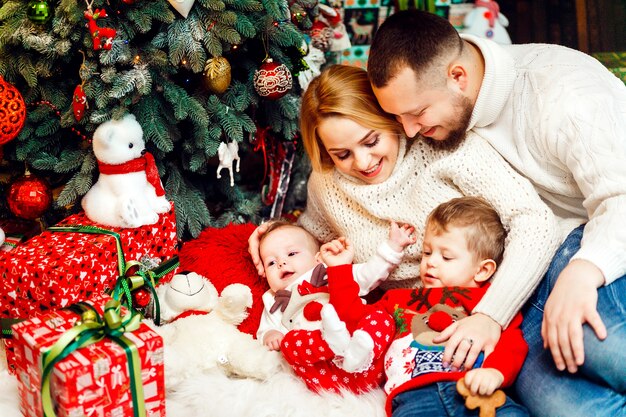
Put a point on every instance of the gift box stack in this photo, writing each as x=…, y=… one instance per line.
x=56, y=269
x=94, y=380
x=615, y=62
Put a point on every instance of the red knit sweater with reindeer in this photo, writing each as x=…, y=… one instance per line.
x=412, y=360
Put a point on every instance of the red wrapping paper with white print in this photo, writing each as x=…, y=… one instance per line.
x=92, y=381
x=56, y=269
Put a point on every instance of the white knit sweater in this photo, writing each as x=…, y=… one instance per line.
x=559, y=117
x=423, y=178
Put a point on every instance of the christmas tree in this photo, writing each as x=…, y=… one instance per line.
x=195, y=74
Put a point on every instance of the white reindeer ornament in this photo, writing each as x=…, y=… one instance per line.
x=228, y=153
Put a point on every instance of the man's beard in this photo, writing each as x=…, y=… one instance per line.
x=464, y=109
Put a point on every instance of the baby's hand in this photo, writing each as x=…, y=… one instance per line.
x=272, y=339
x=337, y=252
x=401, y=236
x=483, y=381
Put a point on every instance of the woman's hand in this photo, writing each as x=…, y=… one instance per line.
x=337, y=252
x=468, y=337
x=253, y=247
x=572, y=303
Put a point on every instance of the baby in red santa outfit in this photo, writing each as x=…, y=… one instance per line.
x=326, y=357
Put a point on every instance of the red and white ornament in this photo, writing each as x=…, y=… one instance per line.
x=272, y=80
x=12, y=112
x=29, y=197
x=321, y=35
x=79, y=102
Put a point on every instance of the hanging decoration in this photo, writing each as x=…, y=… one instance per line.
x=102, y=36
x=182, y=6
x=79, y=99
x=228, y=154
x=39, y=11
x=321, y=35
x=217, y=74
x=272, y=80
x=314, y=58
x=12, y=112
x=29, y=196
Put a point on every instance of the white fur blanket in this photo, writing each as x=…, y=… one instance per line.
x=213, y=394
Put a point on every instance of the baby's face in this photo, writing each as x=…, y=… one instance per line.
x=287, y=253
x=446, y=260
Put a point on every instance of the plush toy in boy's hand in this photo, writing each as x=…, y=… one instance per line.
x=128, y=192
x=202, y=333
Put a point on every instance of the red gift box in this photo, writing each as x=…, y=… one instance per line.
x=93, y=380
x=56, y=269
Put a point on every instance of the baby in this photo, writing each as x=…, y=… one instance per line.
x=293, y=262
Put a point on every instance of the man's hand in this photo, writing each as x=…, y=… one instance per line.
x=468, y=337
x=572, y=303
x=483, y=381
x=337, y=252
x=401, y=236
x=253, y=247
x=272, y=339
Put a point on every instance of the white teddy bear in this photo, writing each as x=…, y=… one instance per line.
x=201, y=331
x=128, y=192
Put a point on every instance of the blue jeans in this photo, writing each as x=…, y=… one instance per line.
x=441, y=399
x=599, y=387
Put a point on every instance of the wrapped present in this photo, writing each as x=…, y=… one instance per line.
x=76, y=260
x=91, y=359
x=55, y=269
x=614, y=61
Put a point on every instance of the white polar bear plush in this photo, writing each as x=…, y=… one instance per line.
x=486, y=21
x=128, y=192
x=201, y=331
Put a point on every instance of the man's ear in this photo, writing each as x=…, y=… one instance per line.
x=457, y=75
x=485, y=270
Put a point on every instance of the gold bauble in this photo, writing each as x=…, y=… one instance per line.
x=217, y=74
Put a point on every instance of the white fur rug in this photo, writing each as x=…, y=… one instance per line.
x=215, y=395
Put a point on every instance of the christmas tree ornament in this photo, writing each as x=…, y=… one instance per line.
x=321, y=35
x=272, y=80
x=217, y=74
x=29, y=196
x=141, y=298
x=79, y=102
x=12, y=112
x=228, y=153
x=129, y=1
x=102, y=36
x=486, y=21
x=182, y=6
x=38, y=11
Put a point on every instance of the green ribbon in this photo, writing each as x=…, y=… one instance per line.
x=91, y=329
x=126, y=283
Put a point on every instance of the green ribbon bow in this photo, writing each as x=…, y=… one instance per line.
x=130, y=274
x=91, y=329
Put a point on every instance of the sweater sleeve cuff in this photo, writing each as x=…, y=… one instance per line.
x=388, y=254
x=610, y=262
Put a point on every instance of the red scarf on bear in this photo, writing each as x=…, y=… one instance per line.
x=143, y=163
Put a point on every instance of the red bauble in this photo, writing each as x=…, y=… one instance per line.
x=12, y=112
x=129, y=1
x=29, y=197
x=141, y=298
x=272, y=80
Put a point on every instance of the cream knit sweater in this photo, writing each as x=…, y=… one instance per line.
x=559, y=117
x=339, y=205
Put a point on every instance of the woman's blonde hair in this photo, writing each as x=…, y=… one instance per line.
x=340, y=91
